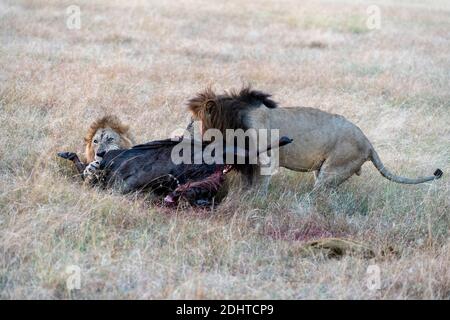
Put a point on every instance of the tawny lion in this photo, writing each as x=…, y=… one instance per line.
x=104, y=134
x=328, y=144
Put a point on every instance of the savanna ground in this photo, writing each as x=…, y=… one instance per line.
x=142, y=60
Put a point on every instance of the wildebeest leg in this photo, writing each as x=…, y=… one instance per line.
x=72, y=156
x=200, y=192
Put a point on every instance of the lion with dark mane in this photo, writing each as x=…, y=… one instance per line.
x=327, y=144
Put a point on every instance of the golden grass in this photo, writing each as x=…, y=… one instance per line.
x=142, y=60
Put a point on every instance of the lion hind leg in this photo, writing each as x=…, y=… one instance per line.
x=332, y=174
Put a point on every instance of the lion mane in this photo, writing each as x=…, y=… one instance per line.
x=228, y=110
x=108, y=121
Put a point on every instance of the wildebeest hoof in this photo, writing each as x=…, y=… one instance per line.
x=67, y=155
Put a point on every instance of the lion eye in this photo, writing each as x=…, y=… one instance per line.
x=95, y=141
x=110, y=139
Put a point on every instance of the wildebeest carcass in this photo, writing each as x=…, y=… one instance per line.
x=149, y=167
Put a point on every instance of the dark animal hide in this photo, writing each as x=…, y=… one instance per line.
x=149, y=167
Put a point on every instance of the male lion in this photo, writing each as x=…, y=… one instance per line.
x=150, y=166
x=104, y=134
x=328, y=144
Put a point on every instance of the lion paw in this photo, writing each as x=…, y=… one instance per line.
x=91, y=170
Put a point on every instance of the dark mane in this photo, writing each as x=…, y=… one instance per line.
x=228, y=110
x=254, y=97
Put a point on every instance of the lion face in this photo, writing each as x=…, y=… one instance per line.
x=106, y=134
x=104, y=140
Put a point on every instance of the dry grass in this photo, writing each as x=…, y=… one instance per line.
x=141, y=60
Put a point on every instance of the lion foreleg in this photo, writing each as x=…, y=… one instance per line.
x=261, y=182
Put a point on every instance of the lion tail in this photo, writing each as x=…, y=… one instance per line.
x=399, y=179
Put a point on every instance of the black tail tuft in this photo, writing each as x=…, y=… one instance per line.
x=438, y=173
x=284, y=141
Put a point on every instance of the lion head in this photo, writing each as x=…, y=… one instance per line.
x=104, y=134
x=228, y=110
